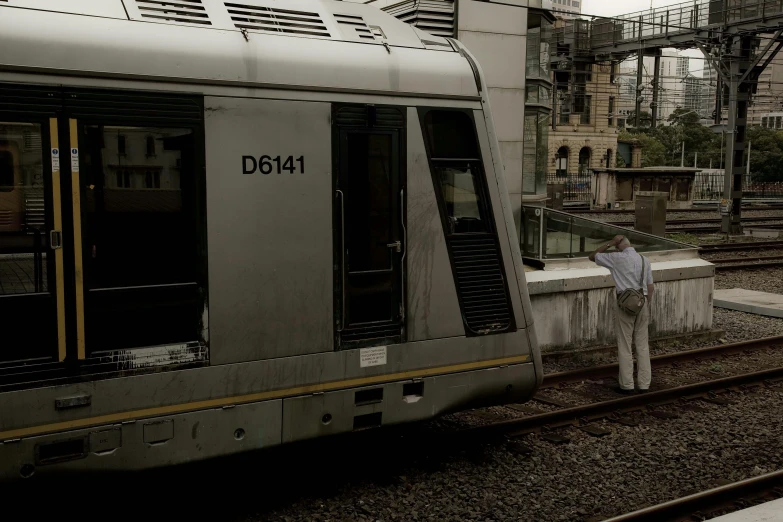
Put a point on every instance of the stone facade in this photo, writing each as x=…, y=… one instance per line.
x=591, y=134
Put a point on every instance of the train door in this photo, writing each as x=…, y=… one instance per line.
x=31, y=260
x=370, y=243
x=138, y=253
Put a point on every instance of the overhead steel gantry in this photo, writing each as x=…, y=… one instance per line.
x=729, y=34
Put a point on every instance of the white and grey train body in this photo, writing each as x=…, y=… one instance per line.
x=230, y=225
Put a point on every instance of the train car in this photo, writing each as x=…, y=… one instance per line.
x=264, y=222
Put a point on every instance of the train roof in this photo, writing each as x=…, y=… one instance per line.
x=293, y=44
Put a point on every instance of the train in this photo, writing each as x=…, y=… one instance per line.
x=228, y=226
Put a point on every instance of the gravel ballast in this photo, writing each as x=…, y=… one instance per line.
x=585, y=478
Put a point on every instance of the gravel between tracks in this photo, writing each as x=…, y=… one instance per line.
x=588, y=477
x=674, y=215
x=750, y=254
x=760, y=279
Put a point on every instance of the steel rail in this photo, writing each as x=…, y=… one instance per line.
x=704, y=500
x=732, y=247
x=553, y=379
x=747, y=266
x=585, y=413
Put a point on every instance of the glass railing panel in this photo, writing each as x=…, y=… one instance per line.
x=532, y=218
x=569, y=236
x=557, y=235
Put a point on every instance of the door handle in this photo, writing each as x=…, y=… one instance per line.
x=397, y=246
x=55, y=239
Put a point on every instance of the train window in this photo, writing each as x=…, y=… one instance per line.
x=450, y=134
x=460, y=190
x=140, y=235
x=23, y=238
x=136, y=235
x=456, y=164
x=6, y=171
x=150, y=146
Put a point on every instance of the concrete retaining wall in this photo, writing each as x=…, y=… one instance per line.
x=575, y=308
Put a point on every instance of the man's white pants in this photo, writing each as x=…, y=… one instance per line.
x=633, y=328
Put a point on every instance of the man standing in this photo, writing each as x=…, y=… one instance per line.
x=630, y=272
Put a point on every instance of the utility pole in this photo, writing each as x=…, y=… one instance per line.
x=738, y=68
x=639, y=88
x=696, y=160
x=655, y=87
x=682, y=159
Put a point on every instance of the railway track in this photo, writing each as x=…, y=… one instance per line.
x=742, y=246
x=739, y=263
x=683, y=210
x=705, y=504
x=617, y=410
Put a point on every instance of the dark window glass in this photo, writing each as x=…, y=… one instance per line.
x=120, y=144
x=6, y=171
x=150, y=146
x=450, y=134
x=458, y=170
x=461, y=189
x=135, y=236
x=611, y=111
x=23, y=241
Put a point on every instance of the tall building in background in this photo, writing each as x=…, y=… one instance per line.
x=678, y=86
x=567, y=8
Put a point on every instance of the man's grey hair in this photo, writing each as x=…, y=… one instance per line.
x=625, y=243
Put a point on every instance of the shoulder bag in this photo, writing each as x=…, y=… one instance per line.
x=632, y=301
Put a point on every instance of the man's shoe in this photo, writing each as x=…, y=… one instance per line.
x=623, y=391
x=644, y=390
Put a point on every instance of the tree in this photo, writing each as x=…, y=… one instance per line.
x=766, y=157
x=653, y=151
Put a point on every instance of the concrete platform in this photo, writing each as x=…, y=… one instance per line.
x=767, y=512
x=574, y=300
x=761, y=303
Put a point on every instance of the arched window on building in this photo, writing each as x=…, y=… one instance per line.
x=561, y=162
x=584, y=161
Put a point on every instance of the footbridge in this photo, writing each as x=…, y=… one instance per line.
x=739, y=38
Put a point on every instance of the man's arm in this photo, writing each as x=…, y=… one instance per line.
x=603, y=248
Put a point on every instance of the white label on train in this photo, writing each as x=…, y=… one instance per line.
x=74, y=160
x=375, y=356
x=55, y=160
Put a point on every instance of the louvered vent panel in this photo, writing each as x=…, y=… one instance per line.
x=127, y=106
x=357, y=24
x=268, y=19
x=180, y=11
x=42, y=101
x=358, y=116
x=434, y=16
x=480, y=283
